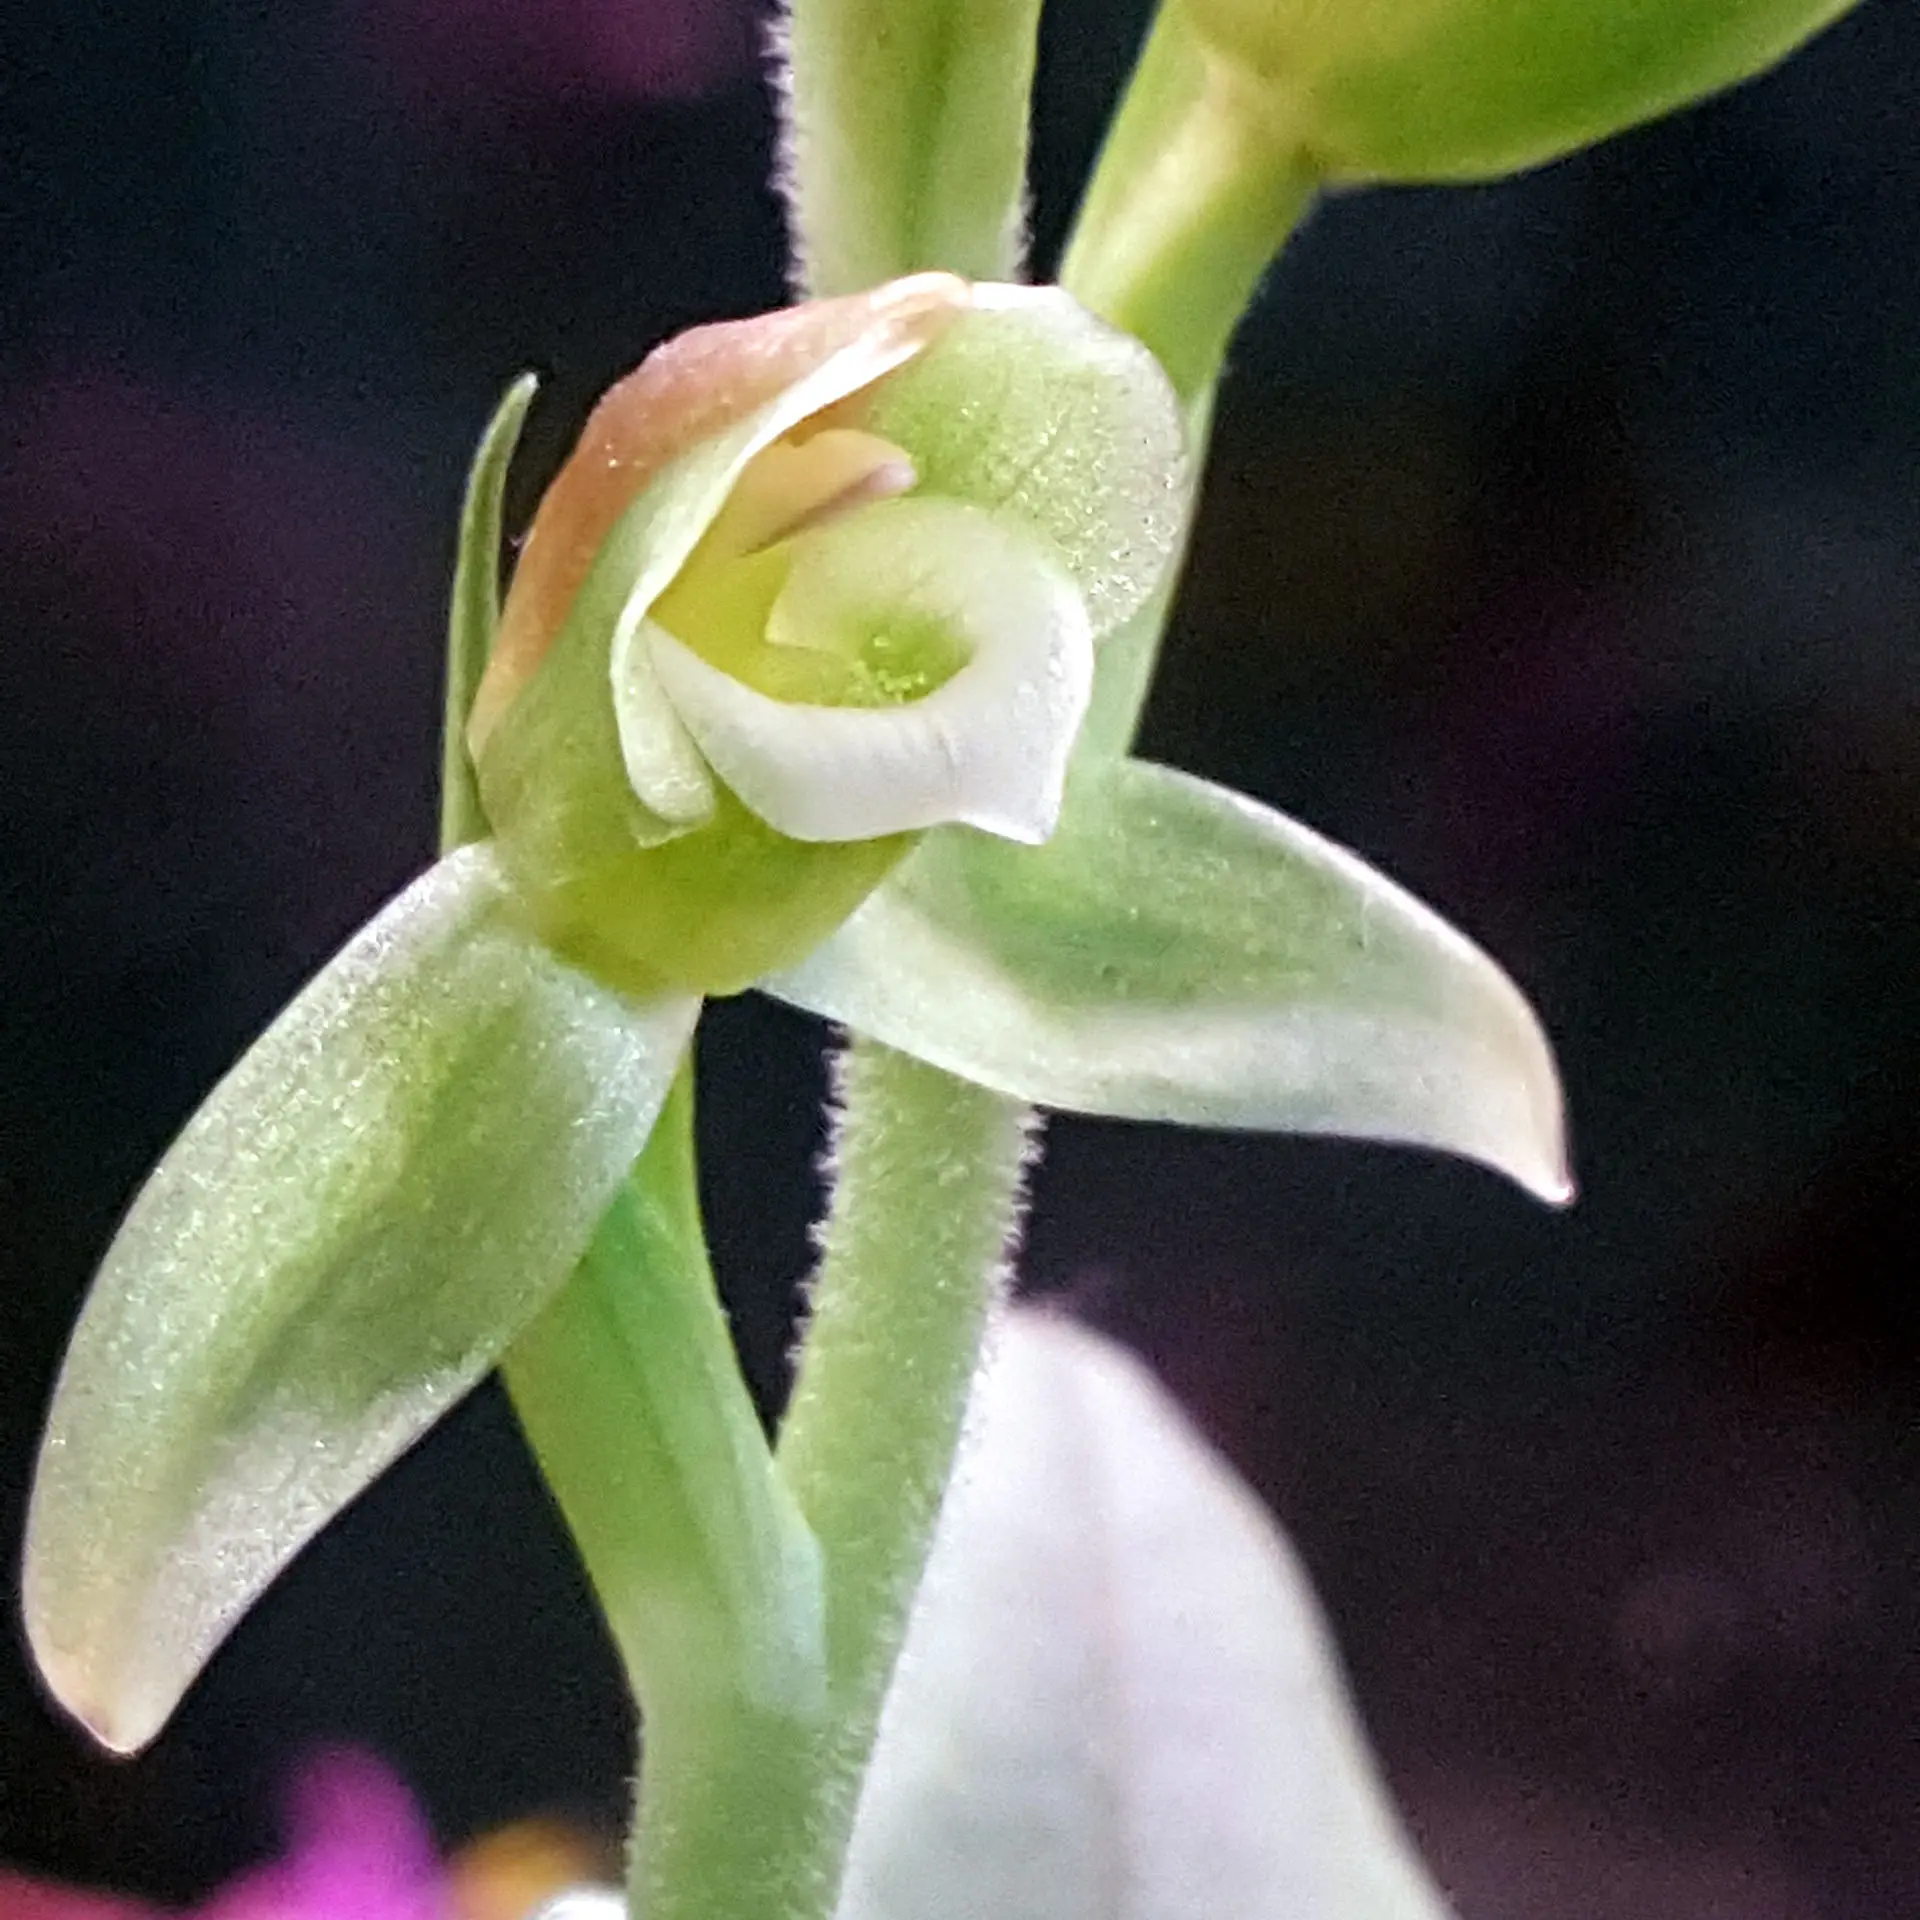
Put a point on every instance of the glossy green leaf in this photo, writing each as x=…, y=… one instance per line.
x=1178, y=952
x=364, y=1213
x=1469, y=89
x=1117, y=1698
x=906, y=137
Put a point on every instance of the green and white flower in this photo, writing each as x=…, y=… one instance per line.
x=786, y=692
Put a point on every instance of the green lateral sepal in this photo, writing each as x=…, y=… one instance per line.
x=363, y=1214
x=1179, y=952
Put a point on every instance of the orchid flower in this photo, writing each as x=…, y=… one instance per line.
x=816, y=676
x=785, y=693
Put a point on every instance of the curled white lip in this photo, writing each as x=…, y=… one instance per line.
x=988, y=748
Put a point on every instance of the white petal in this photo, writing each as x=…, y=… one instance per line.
x=654, y=538
x=1117, y=1699
x=664, y=767
x=989, y=748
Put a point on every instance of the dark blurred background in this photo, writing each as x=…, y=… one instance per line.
x=1562, y=553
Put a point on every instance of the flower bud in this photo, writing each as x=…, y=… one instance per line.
x=1413, y=90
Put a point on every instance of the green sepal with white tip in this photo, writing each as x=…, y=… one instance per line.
x=364, y=1213
x=1179, y=952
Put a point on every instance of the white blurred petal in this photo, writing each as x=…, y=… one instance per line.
x=1118, y=1699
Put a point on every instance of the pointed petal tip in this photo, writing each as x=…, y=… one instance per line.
x=1536, y=1154
x=123, y=1721
x=1563, y=1189
x=1549, y=1179
x=79, y=1671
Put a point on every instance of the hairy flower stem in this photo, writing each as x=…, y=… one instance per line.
x=1197, y=188
x=926, y=1195
x=927, y=1169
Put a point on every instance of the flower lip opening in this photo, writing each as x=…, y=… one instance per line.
x=804, y=364
x=726, y=603
x=797, y=485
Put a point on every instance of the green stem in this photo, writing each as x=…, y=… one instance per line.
x=927, y=1169
x=906, y=137
x=630, y=1395
x=927, y=1180
x=1197, y=188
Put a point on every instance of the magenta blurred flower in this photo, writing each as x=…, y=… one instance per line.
x=22, y=1899
x=357, y=1850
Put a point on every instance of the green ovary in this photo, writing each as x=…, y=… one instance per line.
x=714, y=910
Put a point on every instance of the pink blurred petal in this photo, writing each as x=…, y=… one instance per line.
x=23, y=1899
x=357, y=1847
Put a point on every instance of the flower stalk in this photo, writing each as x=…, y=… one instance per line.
x=1198, y=186
x=927, y=1169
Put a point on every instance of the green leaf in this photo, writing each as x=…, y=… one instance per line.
x=1178, y=952
x=473, y=612
x=1410, y=90
x=370, y=1206
x=906, y=137
x=1117, y=1698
